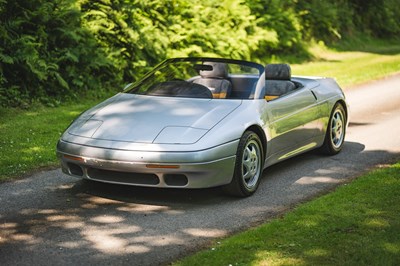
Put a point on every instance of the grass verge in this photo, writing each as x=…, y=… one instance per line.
x=28, y=137
x=351, y=67
x=358, y=224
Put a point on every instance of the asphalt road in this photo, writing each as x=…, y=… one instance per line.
x=53, y=219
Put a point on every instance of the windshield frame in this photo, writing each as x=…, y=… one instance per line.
x=134, y=88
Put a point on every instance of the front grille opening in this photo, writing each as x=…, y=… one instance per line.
x=75, y=169
x=123, y=177
x=175, y=180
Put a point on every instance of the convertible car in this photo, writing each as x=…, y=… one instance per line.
x=205, y=122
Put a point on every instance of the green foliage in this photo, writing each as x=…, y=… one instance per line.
x=380, y=18
x=279, y=16
x=117, y=31
x=45, y=54
x=324, y=19
x=51, y=51
x=224, y=28
x=332, y=20
x=138, y=34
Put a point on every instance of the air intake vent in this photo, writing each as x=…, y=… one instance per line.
x=123, y=177
x=75, y=169
x=175, y=180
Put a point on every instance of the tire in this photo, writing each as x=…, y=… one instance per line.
x=248, y=166
x=336, y=131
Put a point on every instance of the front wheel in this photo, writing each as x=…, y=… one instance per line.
x=335, y=132
x=248, y=166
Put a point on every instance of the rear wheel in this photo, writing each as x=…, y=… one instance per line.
x=248, y=166
x=336, y=131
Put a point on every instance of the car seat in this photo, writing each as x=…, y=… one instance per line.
x=277, y=81
x=216, y=80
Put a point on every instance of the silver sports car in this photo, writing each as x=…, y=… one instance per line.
x=205, y=122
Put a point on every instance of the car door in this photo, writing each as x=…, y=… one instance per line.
x=294, y=121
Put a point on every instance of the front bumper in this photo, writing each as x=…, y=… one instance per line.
x=196, y=169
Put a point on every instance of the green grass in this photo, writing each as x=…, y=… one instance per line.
x=28, y=137
x=358, y=224
x=352, y=67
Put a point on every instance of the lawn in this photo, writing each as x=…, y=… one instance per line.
x=352, y=67
x=358, y=224
x=28, y=137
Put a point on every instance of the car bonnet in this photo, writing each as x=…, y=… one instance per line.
x=150, y=119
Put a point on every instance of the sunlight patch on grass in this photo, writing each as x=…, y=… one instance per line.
x=308, y=222
x=274, y=258
x=31, y=113
x=317, y=252
x=393, y=248
x=350, y=67
x=74, y=113
x=377, y=223
x=34, y=149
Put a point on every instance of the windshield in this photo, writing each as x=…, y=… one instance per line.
x=200, y=78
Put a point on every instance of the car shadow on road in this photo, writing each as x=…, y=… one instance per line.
x=158, y=196
x=89, y=223
x=185, y=197
x=308, y=169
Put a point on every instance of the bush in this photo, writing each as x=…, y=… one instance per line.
x=45, y=54
x=139, y=34
x=280, y=17
x=56, y=50
x=334, y=20
x=380, y=18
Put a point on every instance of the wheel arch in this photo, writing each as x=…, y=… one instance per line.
x=261, y=134
x=343, y=103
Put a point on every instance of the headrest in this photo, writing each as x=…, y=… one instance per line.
x=277, y=72
x=219, y=70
